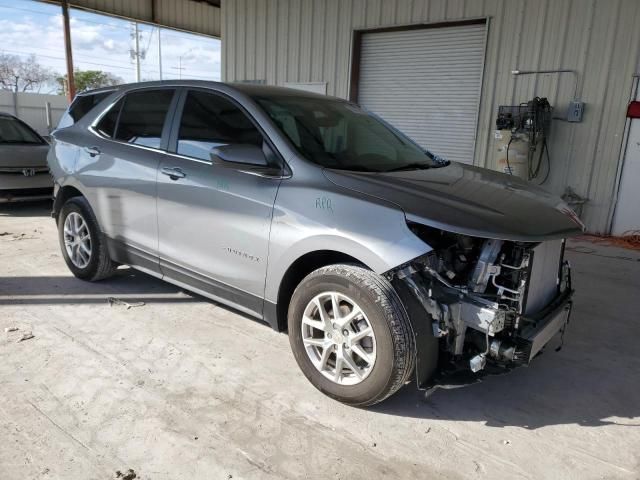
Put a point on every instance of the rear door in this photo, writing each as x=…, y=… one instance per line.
x=118, y=166
x=214, y=221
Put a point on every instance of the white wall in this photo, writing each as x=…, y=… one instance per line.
x=31, y=108
x=627, y=214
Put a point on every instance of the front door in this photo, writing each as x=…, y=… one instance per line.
x=214, y=221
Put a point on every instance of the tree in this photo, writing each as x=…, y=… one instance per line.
x=88, y=80
x=21, y=75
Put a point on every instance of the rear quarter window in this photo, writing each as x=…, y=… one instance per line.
x=80, y=106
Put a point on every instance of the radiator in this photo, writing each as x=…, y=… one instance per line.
x=543, y=276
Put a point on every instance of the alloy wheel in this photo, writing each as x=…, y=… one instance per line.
x=338, y=338
x=77, y=240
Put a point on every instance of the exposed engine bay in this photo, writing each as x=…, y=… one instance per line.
x=489, y=301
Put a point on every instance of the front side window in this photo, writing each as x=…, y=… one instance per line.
x=142, y=118
x=210, y=121
x=341, y=135
x=14, y=131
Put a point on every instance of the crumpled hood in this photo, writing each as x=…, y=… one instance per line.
x=469, y=200
x=23, y=156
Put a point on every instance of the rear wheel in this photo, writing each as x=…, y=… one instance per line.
x=350, y=334
x=82, y=242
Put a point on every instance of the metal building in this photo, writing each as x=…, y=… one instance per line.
x=440, y=69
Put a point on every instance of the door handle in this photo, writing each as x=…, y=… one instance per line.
x=92, y=151
x=174, y=173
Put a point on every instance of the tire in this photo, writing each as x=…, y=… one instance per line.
x=392, y=343
x=98, y=263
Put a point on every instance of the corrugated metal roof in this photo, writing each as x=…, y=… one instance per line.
x=197, y=16
x=310, y=41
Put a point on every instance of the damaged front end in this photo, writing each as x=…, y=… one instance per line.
x=482, y=305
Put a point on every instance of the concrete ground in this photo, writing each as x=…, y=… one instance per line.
x=183, y=388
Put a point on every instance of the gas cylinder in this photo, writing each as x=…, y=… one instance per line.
x=511, y=150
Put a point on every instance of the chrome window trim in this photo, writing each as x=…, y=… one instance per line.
x=143, y=147
x=248, y=172
x=186, y=157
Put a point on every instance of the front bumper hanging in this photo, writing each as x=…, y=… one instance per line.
x=499, y=353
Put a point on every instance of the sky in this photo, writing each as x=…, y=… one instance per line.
x=103, y=43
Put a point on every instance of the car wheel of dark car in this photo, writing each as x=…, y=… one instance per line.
x=82, y=242
x=350, y=334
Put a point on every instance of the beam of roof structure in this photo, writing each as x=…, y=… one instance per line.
x=194, y=16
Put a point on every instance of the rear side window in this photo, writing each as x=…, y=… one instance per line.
x=142, y=118
x=209, y=121
x=80, y=106
x=107, y=125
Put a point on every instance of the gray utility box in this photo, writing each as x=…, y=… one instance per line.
x=575, y=111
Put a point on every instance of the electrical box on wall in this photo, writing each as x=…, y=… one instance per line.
x=575, y=111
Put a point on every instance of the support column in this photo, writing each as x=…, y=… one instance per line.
x=71, y=84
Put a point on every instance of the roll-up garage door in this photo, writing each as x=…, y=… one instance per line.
x=427, y=83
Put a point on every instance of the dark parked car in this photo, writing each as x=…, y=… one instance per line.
x=24, y=174
x=383, y=261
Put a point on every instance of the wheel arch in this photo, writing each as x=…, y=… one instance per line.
x=299, y=269
x=63, y=194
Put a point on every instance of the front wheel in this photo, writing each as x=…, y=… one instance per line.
x=350, y=334
x=82, y=242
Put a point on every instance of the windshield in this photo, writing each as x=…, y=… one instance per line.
x=14, y=131
x=338, y=134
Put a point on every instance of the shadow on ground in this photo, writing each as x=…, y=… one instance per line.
x=127, y=284
x=27, y=209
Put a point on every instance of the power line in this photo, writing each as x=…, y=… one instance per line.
x=128, y=67
x=56, y=14
x=174, y=33
x=62, y=58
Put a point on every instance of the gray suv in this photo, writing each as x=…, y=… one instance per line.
x=383, y=261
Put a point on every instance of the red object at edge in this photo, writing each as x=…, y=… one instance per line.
x=633, y=111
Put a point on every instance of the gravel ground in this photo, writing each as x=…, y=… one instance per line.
x=183, y=388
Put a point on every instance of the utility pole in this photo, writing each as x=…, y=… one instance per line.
x=71, y=84
x=160, y=52
x=135, y=53
x=137, y=43
x=180, y=67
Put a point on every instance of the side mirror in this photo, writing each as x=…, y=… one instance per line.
x=238, y=154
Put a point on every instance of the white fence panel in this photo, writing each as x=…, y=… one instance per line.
x=31, y=108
